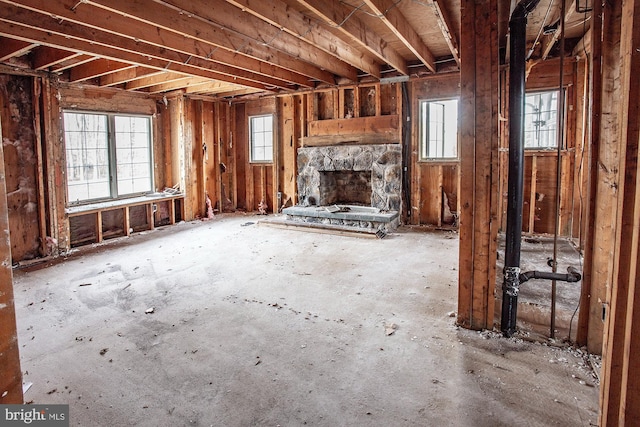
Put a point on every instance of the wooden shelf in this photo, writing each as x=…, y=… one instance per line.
x=92, y=223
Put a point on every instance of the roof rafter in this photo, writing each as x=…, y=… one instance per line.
x=395, y=20
x=95, y=69
x=124, y=76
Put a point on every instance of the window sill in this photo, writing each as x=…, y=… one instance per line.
x=438, y=161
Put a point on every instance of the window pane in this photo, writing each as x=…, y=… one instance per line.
x=541, y=120
x=133, y=154
x=261, y=138
x=439, y=129
x=87, y=152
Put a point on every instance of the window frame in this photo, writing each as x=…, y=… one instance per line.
x=251, y=139
x=560, y=140
x=423, y=130
x=112, y=166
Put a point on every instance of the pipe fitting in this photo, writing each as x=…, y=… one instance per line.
x=512, y=281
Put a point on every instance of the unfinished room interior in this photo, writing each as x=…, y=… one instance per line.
x=321, y=212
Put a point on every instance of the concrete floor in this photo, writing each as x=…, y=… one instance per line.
x=258, y=326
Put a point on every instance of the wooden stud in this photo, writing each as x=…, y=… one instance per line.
x=532, y=194
x=478, y=164
x=10, y=372
x=126, y=221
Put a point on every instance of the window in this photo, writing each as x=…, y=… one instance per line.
x=108, y=155
x=439, y=129
x=261, y=138
x=541, y=120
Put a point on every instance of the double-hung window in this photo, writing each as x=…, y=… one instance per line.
x=541, y=120
x=439, y=129
x=108, y=156
x=261, y=138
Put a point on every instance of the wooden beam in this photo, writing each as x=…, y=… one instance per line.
x=73, y=61
x=549, y=41
x=10, y=373
x=446, y=26
x=21, y=32
x=336, y=15
x=130, y=48
x=397, y=23
x=479, y=94
x=10, y=48
x=179, y=84
x=620, y=388
x=127, y=33
x=281, y=15
x=154, y=80
x=95, y=69
x=44, y=57
x=128, y=75
x=584, y=45
x=214, y=87
x=184, y=22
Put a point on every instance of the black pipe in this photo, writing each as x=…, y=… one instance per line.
x=511, y=284
x=572, y=275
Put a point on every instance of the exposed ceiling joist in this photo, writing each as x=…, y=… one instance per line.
x=20, y=32
x=398, y=24
x=194, y=20
x=154, y=80
x=44, y=57
x=113, y=38
x=337, y=15
x=446, y=26
x=180, y=84
x=549, y=41
x=73, y=61
x=10, y=48
x=278, y=13
x=96, y=69
x=128, y=75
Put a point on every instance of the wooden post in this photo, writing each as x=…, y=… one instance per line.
x=479, y=163
x=620, y=390
x=10, y=373
x=532, y=195
x=605, y=178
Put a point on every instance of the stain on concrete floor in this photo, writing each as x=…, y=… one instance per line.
x=257, y=326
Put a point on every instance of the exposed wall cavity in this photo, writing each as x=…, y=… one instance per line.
x=18, y=143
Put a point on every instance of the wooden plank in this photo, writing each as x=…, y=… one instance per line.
x=94, y=98
x=281, y=15
x=446, y=27
x=619, y=400
x=532, y=193
x=287, y=158
x=10, y=372
x=95, y=69
x=356, y=139
x=126, y=221
x=11, y=48
x=478, y=164
x=37, y=130
x=607, y=175
x=128, y=26
x=127, y=75
x=399, y=25
x=150, y=215
x=99, y=232
x=336, y=15
x=387, y=125
x=135, y=54
x=44, y=57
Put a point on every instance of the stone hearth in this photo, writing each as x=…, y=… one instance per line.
x=382, y=161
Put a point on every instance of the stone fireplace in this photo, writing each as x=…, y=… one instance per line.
x=369, y=175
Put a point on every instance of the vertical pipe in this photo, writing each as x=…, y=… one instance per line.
x=561, y=118
x=511, y=283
